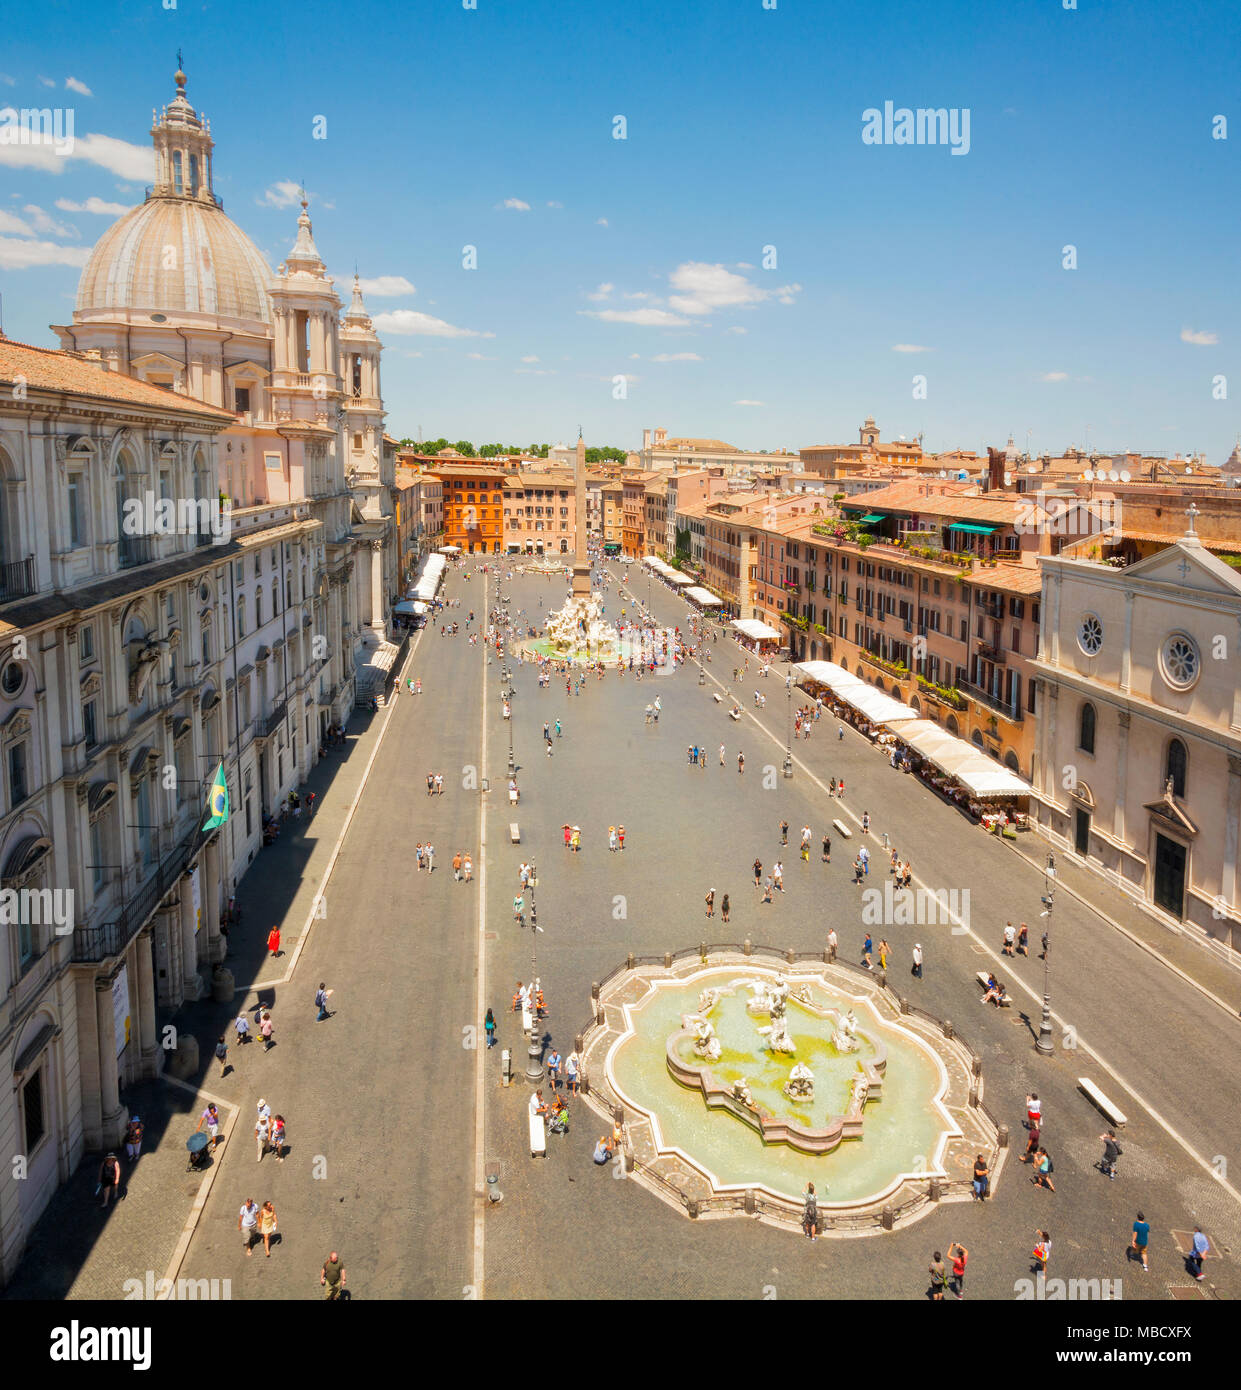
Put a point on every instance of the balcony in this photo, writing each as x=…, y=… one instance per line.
x=134, y=550
x=17, y=579
x=1013, y=713
x=992, y=653
x=94, y=944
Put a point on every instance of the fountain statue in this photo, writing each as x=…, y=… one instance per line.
x=777, y=1034
x=844, y=1039
x=800, y=1085
x=706, y=1044
x=706, y=1000
x=760, y=1003
x=861, y=1088
x=580, y=626
x=741, y=1092
x=779, y=997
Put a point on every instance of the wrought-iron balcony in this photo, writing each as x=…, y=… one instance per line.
x=134, y=550
x=17, y=579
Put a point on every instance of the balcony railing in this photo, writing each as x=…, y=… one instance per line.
x=275, y=718
x=17, y=579
x=1012, y=712
x=110, y=938
x=134, y=550
x=991, y=653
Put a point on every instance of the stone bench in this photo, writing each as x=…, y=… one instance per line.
x=1113, y=1112
x=514, y=833
x=843, y=830
x=538, y=1136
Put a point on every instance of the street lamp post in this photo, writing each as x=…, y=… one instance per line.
x=788, y=751
x=1045, y=1044
x=534, y=1055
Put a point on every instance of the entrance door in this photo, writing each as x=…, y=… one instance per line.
x=1169, y=886
x=1081, y=832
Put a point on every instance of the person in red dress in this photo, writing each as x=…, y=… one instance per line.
x=273, y=941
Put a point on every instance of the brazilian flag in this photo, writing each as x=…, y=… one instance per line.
x=217, y=801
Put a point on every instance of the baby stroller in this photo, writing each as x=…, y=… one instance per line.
x=197, y=1145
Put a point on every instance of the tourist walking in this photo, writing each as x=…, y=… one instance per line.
x=1141, y=1239
x=758, y=873
x=916, y=971
x=489, y=1027
x=864, y=855
x=210, y=1119
x=721, y=755
x=725, y=907
x=247, y=1224
x=827, y=850
x=832, y=944
x=133, y=1138
x=1111, y=1152
x=468, y=868
x=277, y=1137
x=262, y=1135
x=740, y=762
x=1198, y=1252
x=1032, y=1144
x=620, y=835
x=867, y=947
x=572, y=1066
x=273, y=941
x=266, y=1029
x=958, y=1254
x=1010, y=933
x=710, y=901
x=456, y=866
x=267, y=1225
x=109, y=1184
x=777, y=876
x=858, y=872
x=1041, y=1253
x=428, y=853
x=612, y=841
x=767, y=889
x=1043, y=1169
x=418, y=855
x=553, y=1070
x=865, y=822
x=784, y=832
x=810, y=1212
x=1034, y=1110
x=805, y=843
x=242, y=1025
x=884, y=948
x=332, y=1277
x=1023, y=940
x=221, y=1055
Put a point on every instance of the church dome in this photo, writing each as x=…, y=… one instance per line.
x=176, y=254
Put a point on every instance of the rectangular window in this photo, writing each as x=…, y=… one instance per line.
x=241, y=399
x=18, y=790
x=35, y=1125
x=86, y=643
x=97, y=869
x=77, y=491
x=89, y=727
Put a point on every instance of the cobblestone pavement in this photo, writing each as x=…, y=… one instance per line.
x=379, y=1099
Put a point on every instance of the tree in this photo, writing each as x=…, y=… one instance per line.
x=463, y=446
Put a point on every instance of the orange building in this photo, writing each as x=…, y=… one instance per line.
x=473, y=505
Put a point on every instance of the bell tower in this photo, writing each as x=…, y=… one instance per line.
x=183, y=146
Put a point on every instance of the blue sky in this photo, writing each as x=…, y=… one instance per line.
x=1090, y=127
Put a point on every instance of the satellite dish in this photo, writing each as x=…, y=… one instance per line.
x=942, y=473
x=1089, y=475
x=1189, y=470
x=1033, y=468
x=1124, y=475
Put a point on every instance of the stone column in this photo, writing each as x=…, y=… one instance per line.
x=1228, y=872
x=112, y=1117
x=163, y=955
x=377, y=587
x=149, y=1061
x=1125, y=663
x=88, y=1059
x=192, y=984
x=1122, y=774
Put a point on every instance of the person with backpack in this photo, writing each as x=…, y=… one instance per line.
x=1111, y=1152
x=322, y=995
x=939, y=1278
x=1043, y=1169
x=109, y=1179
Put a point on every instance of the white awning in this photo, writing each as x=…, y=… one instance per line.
x=962, y=761
x=676, y=577
x=829, y=674
x=986, y=778
x=704, y=598
x=756, y=631
x=450, y=550
x=876, y=706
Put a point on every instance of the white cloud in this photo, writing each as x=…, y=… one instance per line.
x=411, y=354
x=601, y=222
x=80, y=87
x=479, y=357
x=535, y=371
x=20, y=255
x=92, y=204
x=707, y=287
x=47, y=81
x=1054, y=376
x=530, y=359
x=47, y=224
x=635, y=357
x=1199, y=337
x=646, y=318
x=749, y=402
x=118, y=157
x=282, y=194
x=386, y=286
x=11, y=223
x=410, y=323
x=743, y=265
x=555, y=204
x=7, y=80
x=516, y=204
x=640, y=294
x=602, y=292
x=676, y=357
x=909, y=347
x=736, y=329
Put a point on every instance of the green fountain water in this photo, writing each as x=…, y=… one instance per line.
x=902, y=1129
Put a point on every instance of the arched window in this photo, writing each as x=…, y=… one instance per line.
x=1175, y=767
x=1085, y=729
x=275, y=597
x=193, y=176
x=241, y=615
x=258, y=608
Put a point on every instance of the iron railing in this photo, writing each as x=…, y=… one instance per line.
x=17, y=579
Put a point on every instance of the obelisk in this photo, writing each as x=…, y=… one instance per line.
x=581, y=565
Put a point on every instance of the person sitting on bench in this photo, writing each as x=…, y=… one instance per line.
x=995, y=992
x=603, y=1150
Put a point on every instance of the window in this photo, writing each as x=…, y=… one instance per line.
x=241, y=615
x=97, y=868
x=86, y=643
x=34, y=1122
x=1179, y=661
x=178, y=182
x=258, y=609
x=241, y=399
x=357, y=443
x=18, y=788
x=1086, y=729
x=1175, y=767
x=12, y=678
x=89, y=726
x=77, y=494
x=1090, y=634
x=207, y=646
